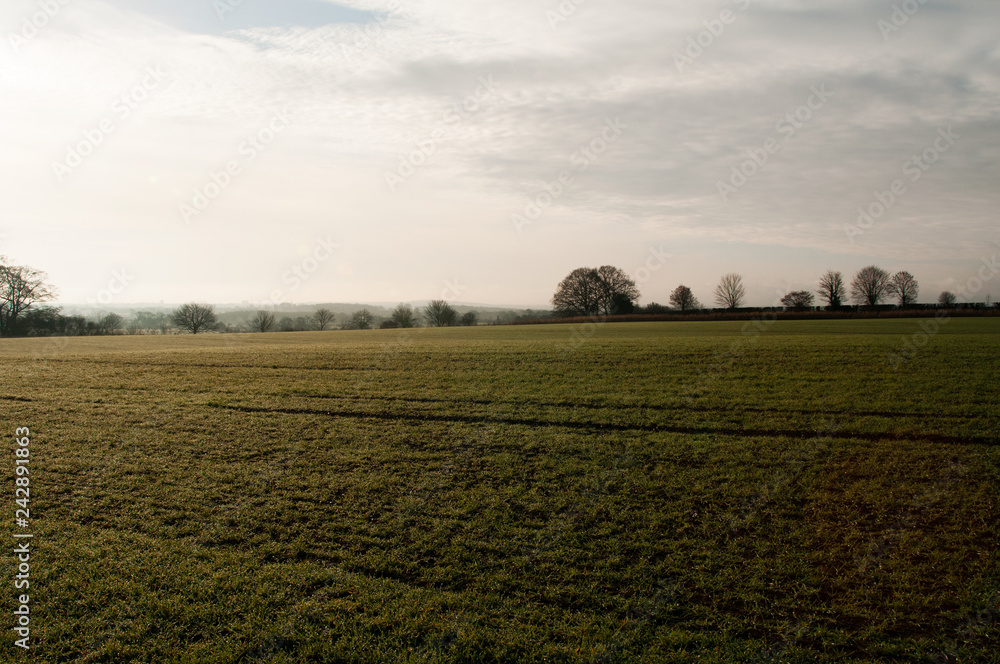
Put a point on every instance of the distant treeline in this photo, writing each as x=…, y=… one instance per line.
x=587, y=294
x=977, y=309
x=47, y=321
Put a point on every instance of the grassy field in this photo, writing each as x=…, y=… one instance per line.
x=664, y=492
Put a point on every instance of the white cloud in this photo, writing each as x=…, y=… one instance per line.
x=364, y=95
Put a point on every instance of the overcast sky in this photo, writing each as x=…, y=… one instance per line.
x=391, y=151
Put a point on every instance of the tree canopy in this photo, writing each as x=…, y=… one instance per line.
x=403, y=316
x=802, y=299
x=904, y=287
x=588, y=291
x=362, y=319
x=683, y=299
x=21, y=288
x=440, y=314
x=869, y=285
x=194, y=317
x=831, y=288
x=730, y=292
x=262, y=321
x=323, y=318
x=947, y=299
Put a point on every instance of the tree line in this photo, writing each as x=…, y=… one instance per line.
x=25, y=290
x=437, y=313
x=591, y=292
x=607, y=290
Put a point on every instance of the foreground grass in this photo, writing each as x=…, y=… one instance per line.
x=649, y=492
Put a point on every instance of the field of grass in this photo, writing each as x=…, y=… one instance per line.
x=650, y=492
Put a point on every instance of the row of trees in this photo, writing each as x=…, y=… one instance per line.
x=438, y=313
x=871, y=286
x=199, y=318
x=195, y=318
x=605, y=290
x=23, y=291
x=608, y=290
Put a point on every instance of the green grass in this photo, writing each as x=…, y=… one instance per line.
x=689, y=492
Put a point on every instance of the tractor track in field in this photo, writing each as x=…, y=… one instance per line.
x=801, y=434
x=666, y=407
x=654, y=407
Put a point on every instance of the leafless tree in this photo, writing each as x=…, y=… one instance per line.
x=403, y=316
x=730, y=291
x=262, y=321
x=20, y=289
x=798, y=300
x=440, y=314
x=469, y=319
x=361, y=319
x=903, y=286
x=588, y=291
x=831, y=288
x=869, y=285
x=947, y=299
x=194, y=317
x=682, y=298
x=579, y=294
x=619, y=292
x=111, y=323
x=323, y=318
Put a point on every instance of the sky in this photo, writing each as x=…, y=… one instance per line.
x=404, y=150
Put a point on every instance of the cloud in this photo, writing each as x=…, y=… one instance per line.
x=218, y=17
x=370, y=82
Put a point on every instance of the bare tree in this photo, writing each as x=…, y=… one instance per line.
x=619, y=292
x=262, y=321
x=361, y=319
x=194, y=317
x=831, y=288
x=588, y=291
x=440, y=314
x=20, y=289
x=798, y=300
x=403, y=316
x=682, y=298
x=904, y=286
x=323, y=318
x=730, y=291
x=111, y=323
x=947, y=299
x=470, y=319
x=579, y=294
x=869, y=285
